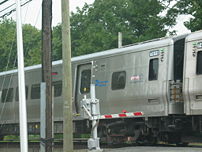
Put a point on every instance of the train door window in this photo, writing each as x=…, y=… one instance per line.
x=7, y=95
x=199, y=63
x=153, y=69
x=118, y=80
x=178, y=59
x=17, y=93
x=35, y=91
x=85, y=81
x=57, y=88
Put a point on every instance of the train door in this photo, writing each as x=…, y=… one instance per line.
x=157, y=75
x=82, y=84
x=192, y=79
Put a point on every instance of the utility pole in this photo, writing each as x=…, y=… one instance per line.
x=120, y=40
x=21, y=82
x=47, y=70
x=67, y=79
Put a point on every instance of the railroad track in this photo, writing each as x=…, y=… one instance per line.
x=82, y=144
x=78, y=144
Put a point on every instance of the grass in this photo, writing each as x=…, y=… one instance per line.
x=36, y=138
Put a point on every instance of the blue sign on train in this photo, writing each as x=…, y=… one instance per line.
x=101, y=83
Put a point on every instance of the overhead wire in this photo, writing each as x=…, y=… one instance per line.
x=12, y=10
x=36, y=20
x=4, y=79
x=11, y=76
x=7, y=8
x=38, y=13
x=3, y=2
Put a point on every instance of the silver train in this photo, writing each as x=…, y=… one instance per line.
x=159, y=81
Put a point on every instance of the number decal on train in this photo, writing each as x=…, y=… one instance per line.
x=154, y=53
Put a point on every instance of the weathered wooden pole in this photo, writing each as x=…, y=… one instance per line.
x=120, y=39
x=67, y=79
x=47, y=70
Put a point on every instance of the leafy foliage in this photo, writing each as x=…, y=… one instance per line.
x=57, y=43
x=32, y=45
x=8, y=46
x=189, y=7
x=95, y=27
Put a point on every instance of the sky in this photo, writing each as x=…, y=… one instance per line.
x=31, y=13
x=35, y=9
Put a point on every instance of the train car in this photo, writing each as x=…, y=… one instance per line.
x=141, y=81
x=192, y=75
x=148, y=91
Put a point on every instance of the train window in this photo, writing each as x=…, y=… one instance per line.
x=7, y=95
x=153, y=69
x=35, y=91
x=199, y=63
x=85, y=81
x=57, y=88
x=17, y=93
x=118, y=80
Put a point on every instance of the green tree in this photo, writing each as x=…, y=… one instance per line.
x=8, y=46
x=189, y=7
x=57, y=43
x=32, y=45
x=95, y=27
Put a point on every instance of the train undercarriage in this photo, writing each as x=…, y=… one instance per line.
x=179, y=130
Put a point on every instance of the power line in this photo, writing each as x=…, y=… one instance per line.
x=3, y=2
x=11, y=76
x=10, y=6
x=7, y=8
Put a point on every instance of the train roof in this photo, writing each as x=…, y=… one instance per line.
x=194, y=36
x=128, y=48
x=137, y=46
